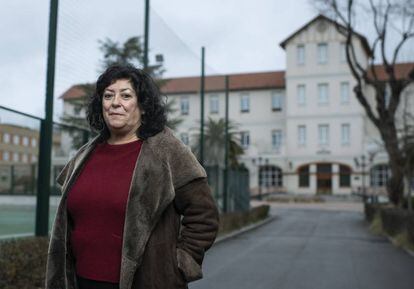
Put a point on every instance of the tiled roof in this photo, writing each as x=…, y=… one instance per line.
x=247, y=81
x=73, y=93
x=402, y=70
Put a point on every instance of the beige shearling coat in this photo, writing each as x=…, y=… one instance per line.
x=171, y=219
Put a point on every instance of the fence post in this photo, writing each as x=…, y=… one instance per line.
x=46, y=131
x=11, y=179
x=43, y=183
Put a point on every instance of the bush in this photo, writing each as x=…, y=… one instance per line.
x=405, y=202
x=236, y=220
x=296, y=199
x=376, y=225
x=23, y=263
x=410, y=229
x=395, y=221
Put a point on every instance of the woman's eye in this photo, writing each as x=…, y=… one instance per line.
x=126, y=96
x=107, y=96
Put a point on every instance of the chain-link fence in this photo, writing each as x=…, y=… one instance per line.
x=19, y=151
x=238, y=193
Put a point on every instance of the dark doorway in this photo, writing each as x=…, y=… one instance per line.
x=324, y=179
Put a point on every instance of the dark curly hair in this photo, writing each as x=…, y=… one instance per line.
x=149, y=101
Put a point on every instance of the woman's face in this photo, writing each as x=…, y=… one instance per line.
x=120, y=108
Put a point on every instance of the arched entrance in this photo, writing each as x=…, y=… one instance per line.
x=324, y=178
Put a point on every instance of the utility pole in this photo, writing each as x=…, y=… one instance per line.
x=226, y=148
x=46, y=131
x=146, y=32
x=202, y=107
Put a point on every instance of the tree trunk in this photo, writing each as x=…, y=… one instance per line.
x=395, y=185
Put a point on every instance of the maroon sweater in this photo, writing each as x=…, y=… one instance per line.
x=96, y=205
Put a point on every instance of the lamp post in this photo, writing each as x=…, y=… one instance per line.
x=363, y=162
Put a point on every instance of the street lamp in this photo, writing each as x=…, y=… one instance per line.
x=363, y=162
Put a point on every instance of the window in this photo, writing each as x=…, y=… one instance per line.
x=25, y=158
x=244, y=103
x=301, y=135
x=276, y=139
x=304, y=177
x=77, y=109
x=245, y=139
x=323, y=134
x=345, y=134
x=34, y=142
x=184, y=138
x=6, y=138
x=16, y=139
x=33, y=159
x=25, y=141
x=300, y=54
x=344, y=92
x=301, y=94
x=323, y=94
x=344, y=176
x=343, y=52
x=276, y=100
x=322, y=53
x=15, y=157
x=270, y=176
x=6, y=156
x=184, y=105
x=214, y=104
x=380, y=175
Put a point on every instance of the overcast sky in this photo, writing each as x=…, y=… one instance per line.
x=239, y=36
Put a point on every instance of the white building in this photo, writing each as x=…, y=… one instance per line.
x=301, y=128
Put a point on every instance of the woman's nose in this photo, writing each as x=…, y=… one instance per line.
x=115, y=100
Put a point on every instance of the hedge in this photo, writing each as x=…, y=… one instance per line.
x=23, y=263
x=395, y=221
x=236, y=220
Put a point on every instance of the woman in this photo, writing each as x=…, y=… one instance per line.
x=136, y=210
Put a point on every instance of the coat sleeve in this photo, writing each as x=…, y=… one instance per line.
x=199, y=226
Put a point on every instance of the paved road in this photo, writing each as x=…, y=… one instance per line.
x=309, y=249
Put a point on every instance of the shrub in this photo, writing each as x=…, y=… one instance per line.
x=376, y=225
x=23, y=263
x=402, y=240
x=395, y=220
x=236, y=220
x=405, y=202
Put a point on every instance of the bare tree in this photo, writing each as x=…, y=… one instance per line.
x=389, y=18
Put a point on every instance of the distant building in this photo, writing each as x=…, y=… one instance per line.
x=302, y=129
x=19, y=151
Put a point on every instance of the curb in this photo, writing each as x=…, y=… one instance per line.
x=408, y=251
x=244, y=229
